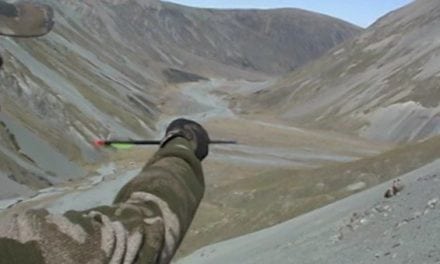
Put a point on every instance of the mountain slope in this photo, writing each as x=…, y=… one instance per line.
x=110, y=67
x=364, y=228
x=270, y=41
x=274, y=195
x=381, y=85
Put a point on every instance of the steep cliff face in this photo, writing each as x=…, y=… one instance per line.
x=383, y=84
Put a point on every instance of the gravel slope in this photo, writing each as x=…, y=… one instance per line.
x=364, y=228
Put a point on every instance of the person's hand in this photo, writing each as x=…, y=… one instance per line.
x=193, y=132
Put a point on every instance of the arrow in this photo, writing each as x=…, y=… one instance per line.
x=127, y=144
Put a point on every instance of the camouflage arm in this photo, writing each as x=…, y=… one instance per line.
x=146, y=224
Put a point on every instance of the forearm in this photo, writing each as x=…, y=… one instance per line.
x=174, y=176
x=172, y=184
x=146, y=224
x=160, y=203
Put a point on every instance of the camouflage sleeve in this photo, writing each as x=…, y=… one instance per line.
x=146, y=223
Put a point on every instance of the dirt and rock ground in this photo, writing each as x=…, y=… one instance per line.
x=363, y=228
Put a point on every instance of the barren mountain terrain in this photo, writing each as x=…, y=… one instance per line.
x=382, y=85
x=321, y=110
x=364, y=228
x=109, y=69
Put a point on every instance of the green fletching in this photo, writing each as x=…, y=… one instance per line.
x=122, y=146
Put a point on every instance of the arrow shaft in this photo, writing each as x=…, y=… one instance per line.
x=132, y=142
x=223, y=142
x=150, y=142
